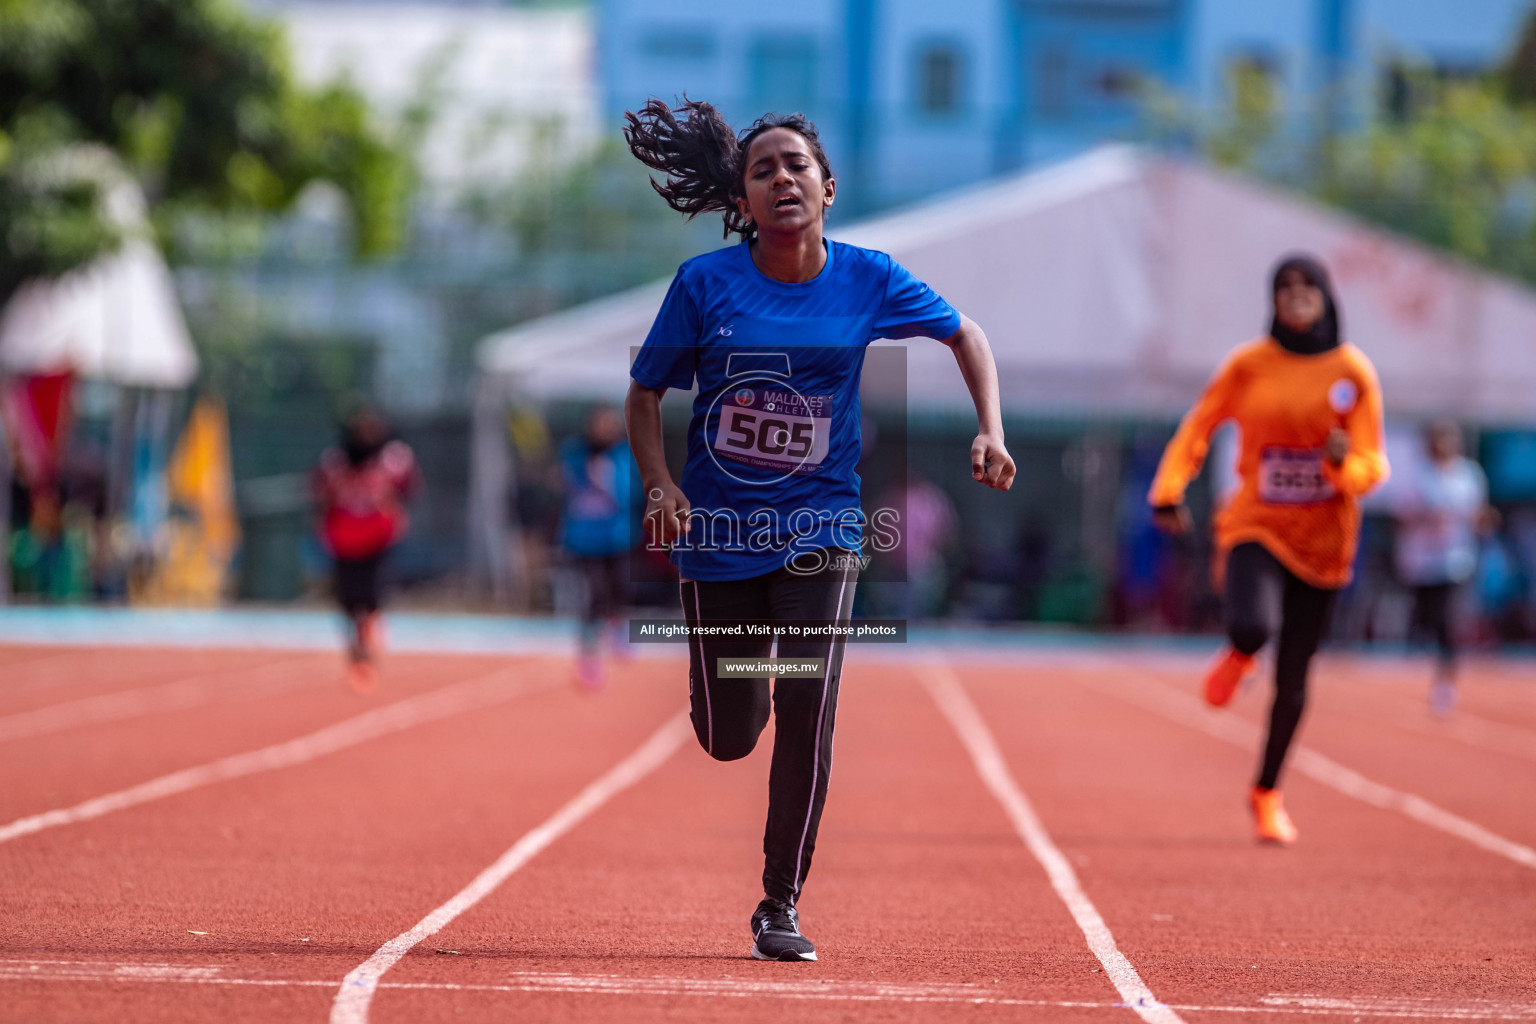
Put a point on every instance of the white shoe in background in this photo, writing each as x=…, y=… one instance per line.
x=1442, y=698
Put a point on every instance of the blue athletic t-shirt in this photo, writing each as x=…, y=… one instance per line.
x=601, y=491
x=774, y=441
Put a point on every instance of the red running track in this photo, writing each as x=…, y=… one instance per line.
x=252, y=897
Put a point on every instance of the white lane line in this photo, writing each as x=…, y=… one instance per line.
x=1401, y=1006
x=829, y=989
x=469, y=695
x=19, y=674
x=181, y=695
x=949, y=694
x=1155, y=695
x=356, y=993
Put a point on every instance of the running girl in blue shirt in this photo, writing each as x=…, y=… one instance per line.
x=767, y=523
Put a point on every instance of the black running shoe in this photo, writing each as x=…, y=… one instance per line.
x=776, y=933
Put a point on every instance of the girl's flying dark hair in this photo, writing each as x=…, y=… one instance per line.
x=703, y=158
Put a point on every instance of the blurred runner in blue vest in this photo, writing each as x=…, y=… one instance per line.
x=597, y=529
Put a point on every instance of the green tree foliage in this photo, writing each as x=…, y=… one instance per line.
x=1252, y=118
x=1451, y=162
x=591, y=227
x=197, y=100
x=1455, y=173
x=601, y=203
x=50, y=215
x=1520, y=72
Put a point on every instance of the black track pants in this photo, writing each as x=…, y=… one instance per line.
x=356, y=584
x=607, y=583
x=1264, y=599
x=729, y=714
x=1432, y=617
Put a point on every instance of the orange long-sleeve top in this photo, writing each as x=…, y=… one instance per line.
x=1295, y=501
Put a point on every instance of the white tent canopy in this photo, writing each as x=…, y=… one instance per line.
x=1110, y=286
x=1113, y=285
x=115, y=319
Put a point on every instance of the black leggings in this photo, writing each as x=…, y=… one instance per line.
x=1432, y=616
x=607, y=584
x=1264, y=598
x=730, y=713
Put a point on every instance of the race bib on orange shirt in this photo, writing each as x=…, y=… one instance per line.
x=1293, y=476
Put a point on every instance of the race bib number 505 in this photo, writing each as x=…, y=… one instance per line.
x=777, y=430
x=1293, y=476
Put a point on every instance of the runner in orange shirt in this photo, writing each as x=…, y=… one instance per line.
x=1308, y=408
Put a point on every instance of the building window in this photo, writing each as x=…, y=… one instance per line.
x=1118, y=82
x=1053, y=86
x=784, y=73
x=677, y=44
x=939, y=80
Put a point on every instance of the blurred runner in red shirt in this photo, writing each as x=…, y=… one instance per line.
x=360, y=492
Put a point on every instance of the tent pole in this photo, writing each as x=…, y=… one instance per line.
x=120, y=453
x=5, y=515
x=514, y=561
x=492, y=476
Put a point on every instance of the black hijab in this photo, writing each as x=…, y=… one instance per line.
x=1324, y=334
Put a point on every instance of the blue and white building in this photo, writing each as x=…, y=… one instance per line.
x=915, y=96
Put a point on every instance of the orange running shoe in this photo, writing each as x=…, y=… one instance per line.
x=362, y=676
x=1222, y=678
x=1270, y=822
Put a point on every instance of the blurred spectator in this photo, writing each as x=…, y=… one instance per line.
x=598, y=528
x=1520, y=534
x=536, y=504
x=1153, y=584
x=927, y=524
x=1440, y=517
x=538, y=507
x=1499, y=587
x=200, y=535
x=360, y=491
x=1033, y=551
x=87, y=527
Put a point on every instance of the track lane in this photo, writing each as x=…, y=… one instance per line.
x=363, y=844
x=56, y=676
x=922, y=901
x=344, y=851
x=1501, y=690
x=1359, y=725
x=1369, y=905
x=355, y=995
x=949, y=693
x=46, y=772
x=248, y=682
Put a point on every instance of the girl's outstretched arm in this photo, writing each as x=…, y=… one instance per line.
x=666, y=507
x=990, y=462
